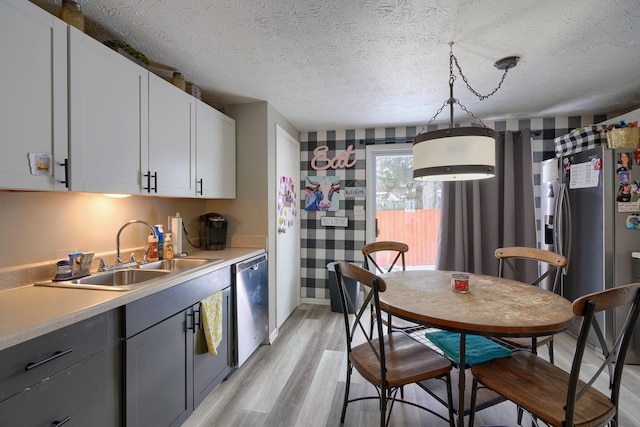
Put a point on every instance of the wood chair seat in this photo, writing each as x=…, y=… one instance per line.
x=407, y=361
x=541, y=387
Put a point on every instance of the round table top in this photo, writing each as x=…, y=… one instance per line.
x=493, y=305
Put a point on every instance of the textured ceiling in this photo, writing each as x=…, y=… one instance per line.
x=333, y=64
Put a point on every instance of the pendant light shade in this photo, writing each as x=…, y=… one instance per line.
x=454, y=154
x=458, y=153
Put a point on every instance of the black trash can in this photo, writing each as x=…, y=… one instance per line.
x=352, y=287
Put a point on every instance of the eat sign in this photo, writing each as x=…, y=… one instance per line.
x=341, y=160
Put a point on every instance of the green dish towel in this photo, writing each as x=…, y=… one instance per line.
x=478, y=349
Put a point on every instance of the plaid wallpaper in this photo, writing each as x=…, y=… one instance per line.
x=323, y=244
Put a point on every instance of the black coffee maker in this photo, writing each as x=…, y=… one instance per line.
x=213, y=232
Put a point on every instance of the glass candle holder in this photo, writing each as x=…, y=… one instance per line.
x=460, y=283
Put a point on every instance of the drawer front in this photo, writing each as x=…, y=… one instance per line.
x=70, y=398
x=29, y=363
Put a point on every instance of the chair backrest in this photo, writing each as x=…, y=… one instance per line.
x=517, y=257
x=396, y=253
x=623, y=298
x=355, y=327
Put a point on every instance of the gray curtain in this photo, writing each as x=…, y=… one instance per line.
x=480, y=216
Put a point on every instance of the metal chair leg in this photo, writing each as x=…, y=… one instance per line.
x=346, y=393
x=383, y=406
x=472, y=404
x=520, y=413
x=450, y=399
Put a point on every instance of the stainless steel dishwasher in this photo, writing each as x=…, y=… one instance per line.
x=251, y=306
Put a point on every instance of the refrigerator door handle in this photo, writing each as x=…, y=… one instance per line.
x=557, y=229
x=567, y=207
x=562, y=216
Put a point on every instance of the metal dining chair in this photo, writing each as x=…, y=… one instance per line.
x=388, y=361
x=395, y=253
x=513, y=261
x=569, y=399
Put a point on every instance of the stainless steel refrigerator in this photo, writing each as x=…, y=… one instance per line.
x=589, y=206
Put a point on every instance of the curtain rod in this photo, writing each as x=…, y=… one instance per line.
x=382, y=141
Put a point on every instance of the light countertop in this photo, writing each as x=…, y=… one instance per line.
x=27, y=312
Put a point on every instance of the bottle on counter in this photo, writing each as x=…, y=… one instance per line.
x=152, y=248
x=178, y=80
x=71, y=13
x=168, y=246
x=160, y=234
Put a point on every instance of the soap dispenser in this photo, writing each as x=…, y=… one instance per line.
x=168, y=246
x=160, y=234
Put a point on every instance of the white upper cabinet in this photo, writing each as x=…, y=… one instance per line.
x=108, y=99
x=215, y=153
x=78, y=115
x=171, y=149
x=33, y=95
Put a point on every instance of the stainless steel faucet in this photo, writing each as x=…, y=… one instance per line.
x=133, y=221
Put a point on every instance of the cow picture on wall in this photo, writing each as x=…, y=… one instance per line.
x=322, y=193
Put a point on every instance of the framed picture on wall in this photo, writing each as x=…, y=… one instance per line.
x=322, y=193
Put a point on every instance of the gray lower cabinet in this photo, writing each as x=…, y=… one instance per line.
x=67, y=377
x=167, y=371
x=156, y=389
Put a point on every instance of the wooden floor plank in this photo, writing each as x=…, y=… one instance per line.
x=271, y=381
x=316, y=407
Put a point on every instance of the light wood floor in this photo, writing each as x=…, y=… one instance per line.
x=299, y=381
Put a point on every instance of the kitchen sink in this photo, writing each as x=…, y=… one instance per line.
x=178, y=263
x=116, y=280
x=129, y=278
x=121, y=277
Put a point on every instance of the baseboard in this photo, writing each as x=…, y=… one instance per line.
x=273, y=336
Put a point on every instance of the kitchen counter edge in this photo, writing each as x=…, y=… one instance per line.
x=31, y=311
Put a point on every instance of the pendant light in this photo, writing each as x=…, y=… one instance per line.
x=462, y=153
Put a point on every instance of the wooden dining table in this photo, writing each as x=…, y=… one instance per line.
x=493, y=306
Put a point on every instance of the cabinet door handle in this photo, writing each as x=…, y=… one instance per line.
x=66, y=173
x=148, y=187
x=62, y=421
x=191, y=315
x=196, y=319
x=201, y=187
x=32, y=365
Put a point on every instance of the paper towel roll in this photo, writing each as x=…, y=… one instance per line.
x=176, y=232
